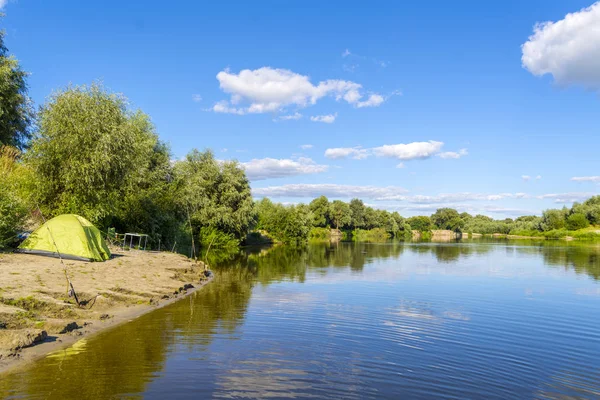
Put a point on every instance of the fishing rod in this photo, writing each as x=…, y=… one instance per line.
x=69, y=283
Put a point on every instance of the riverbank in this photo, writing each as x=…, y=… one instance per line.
x=37, y=317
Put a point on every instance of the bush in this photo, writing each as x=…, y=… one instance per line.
x=586, y=235
x=319, y=233
x=13, y=206
x=215, y=239
x=577, y=221
x=371, y=235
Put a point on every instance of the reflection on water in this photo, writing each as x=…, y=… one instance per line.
x=477, y=319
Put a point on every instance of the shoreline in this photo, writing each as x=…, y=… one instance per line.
x=117, y=305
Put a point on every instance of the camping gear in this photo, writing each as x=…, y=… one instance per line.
x=141, y=237
x=73, y=236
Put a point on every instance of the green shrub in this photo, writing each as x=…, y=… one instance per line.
x=577, y=221
x=371, y=235
x=216, y=239
x=586, y=235
x=13, y=206
x=319, y=233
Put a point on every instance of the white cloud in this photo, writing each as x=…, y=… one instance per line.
x=568, y=49
x=272, y=90
x=454, y=154
x=595, y=179
x=343, y=152
x=526, y=178
x=465, y=196
x=537, y=178
x=296, y=116
x=328, y=119
x=223, y=107
x=374, y=100
x=3, y=3
x=410, y=151
x=402, y=151
x=567, y=197
x=346, y=53
x=266, y=168
x=306, y=146
x=195, y=97
x=389, y=193
x=330, y=190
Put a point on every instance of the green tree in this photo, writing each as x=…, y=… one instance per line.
x=443, y=217
x=577, y=221
x=340, y=214
x=320, y=211
x=420, y=223
x=289, y=224
x=358, y=210
x=90, y=150
x=370, y=218
x=554, y=219
x=216, y=194
x=16, y=111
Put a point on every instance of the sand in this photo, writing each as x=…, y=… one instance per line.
x=37, y=316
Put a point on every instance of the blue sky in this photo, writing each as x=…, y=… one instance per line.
x=409, y=106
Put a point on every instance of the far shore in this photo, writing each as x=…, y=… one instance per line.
x=37, y=317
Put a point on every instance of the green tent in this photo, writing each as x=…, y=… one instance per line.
x=74, y=236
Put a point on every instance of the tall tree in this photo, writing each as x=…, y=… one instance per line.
x=445, y=218
x=216, y=194
x=357, y=209
x=90, y=150
x=16, y=110
x=340, y=214
x=320, y=211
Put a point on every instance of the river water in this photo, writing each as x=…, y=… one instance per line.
x=471, y=320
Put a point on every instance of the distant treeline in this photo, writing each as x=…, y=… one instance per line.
x=317, y=219
x=85, y=151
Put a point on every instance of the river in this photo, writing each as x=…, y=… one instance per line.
x=470, y=320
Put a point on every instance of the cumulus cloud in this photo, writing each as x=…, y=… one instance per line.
x=344, y=152
x=295, y=116
x=567, y=197
x=454, y=154
x=266, y=168
x=595, y=179
x=526, y=178
x=410, y=151
x=195, y=97
x=271, y=90
x=568, y=49
x=537, y=178
x=330, y=190
x=328, y=119
x=306, y=146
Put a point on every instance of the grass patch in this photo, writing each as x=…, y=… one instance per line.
x=41, y=308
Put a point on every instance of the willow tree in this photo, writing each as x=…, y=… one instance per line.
x=89, y=152
x=215, y=194
x=16, y=111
